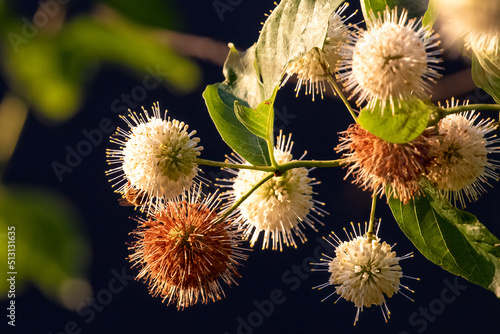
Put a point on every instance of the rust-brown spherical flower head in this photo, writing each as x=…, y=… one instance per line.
x=185, y=251
x=376, y=163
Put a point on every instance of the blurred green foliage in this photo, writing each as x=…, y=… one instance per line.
x=48, y=61
x=50, y=248
x=159, y=13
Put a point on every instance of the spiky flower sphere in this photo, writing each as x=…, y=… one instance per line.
x=184, y=253
x=376, y=163
x=461, y=165
x=157, y=156
x=364, y=271
x=315, y=66
x=280, y=207
x=391, y=61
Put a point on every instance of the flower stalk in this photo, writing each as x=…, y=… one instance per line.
x=244, y=197
x=457, y=109
x=371, y=222
x=332, y=82
x=279, y=167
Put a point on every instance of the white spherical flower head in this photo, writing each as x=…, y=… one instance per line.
x=389, y=62
x=280, y=207
x=461, y=165
x=157, y=156
x=364, y=271
x=315, y=66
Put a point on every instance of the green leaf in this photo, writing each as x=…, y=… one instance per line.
x=409, y=120
x=242, y=78
x=415, y=8
x=486, y=73
x=50, y=249
x=430, y=15
x=259, y=121
x=242, y=88
x=220, y=104
x=292, y=30
x=375, y=6
x=449, y=237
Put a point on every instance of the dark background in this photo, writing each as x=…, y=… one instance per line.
x=314, y=127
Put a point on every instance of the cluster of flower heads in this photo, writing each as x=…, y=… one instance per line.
x=185, y=247
x=188, y=244
x=453, y=155
x=364, y=270
x=394, y=59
